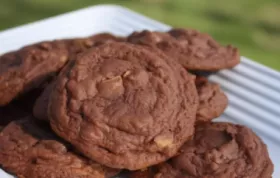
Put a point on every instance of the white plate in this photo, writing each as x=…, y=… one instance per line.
x=253, y=89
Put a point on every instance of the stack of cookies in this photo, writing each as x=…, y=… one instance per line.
x=93, y=107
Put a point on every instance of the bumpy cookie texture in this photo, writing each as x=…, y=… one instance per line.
x=40, y=109
x=124, y=106
x=203, y=52
x=28, y=67
x=220, y=150
x=79, y=45
x=29, y=151
x=74, y=46
x=212, y=100
x=194, y=50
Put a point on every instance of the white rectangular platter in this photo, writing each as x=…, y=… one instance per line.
x=253, y=89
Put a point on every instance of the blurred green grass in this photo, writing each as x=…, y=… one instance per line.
x=251, y=25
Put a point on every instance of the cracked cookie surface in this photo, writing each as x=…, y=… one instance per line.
x=192, y=49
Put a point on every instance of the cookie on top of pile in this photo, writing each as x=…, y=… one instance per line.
x=91, y=107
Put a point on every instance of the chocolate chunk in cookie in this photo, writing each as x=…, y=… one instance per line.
x=75, y=46
x=194, y=50
x=124, y=105
x=29, y=151
x=212, y=100
x=220, y=150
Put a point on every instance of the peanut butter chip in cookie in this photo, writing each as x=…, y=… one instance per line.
x=111, y=88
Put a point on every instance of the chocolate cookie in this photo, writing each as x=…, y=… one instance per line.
x=212, y=100
x=124, y=105
x=75, y=46
x=220, y=150
x=29, y=151
x=22, y=70
x=194, y=50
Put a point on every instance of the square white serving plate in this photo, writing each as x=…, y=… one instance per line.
x=253, y=89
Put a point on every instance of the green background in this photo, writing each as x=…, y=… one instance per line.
x=251, y=25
